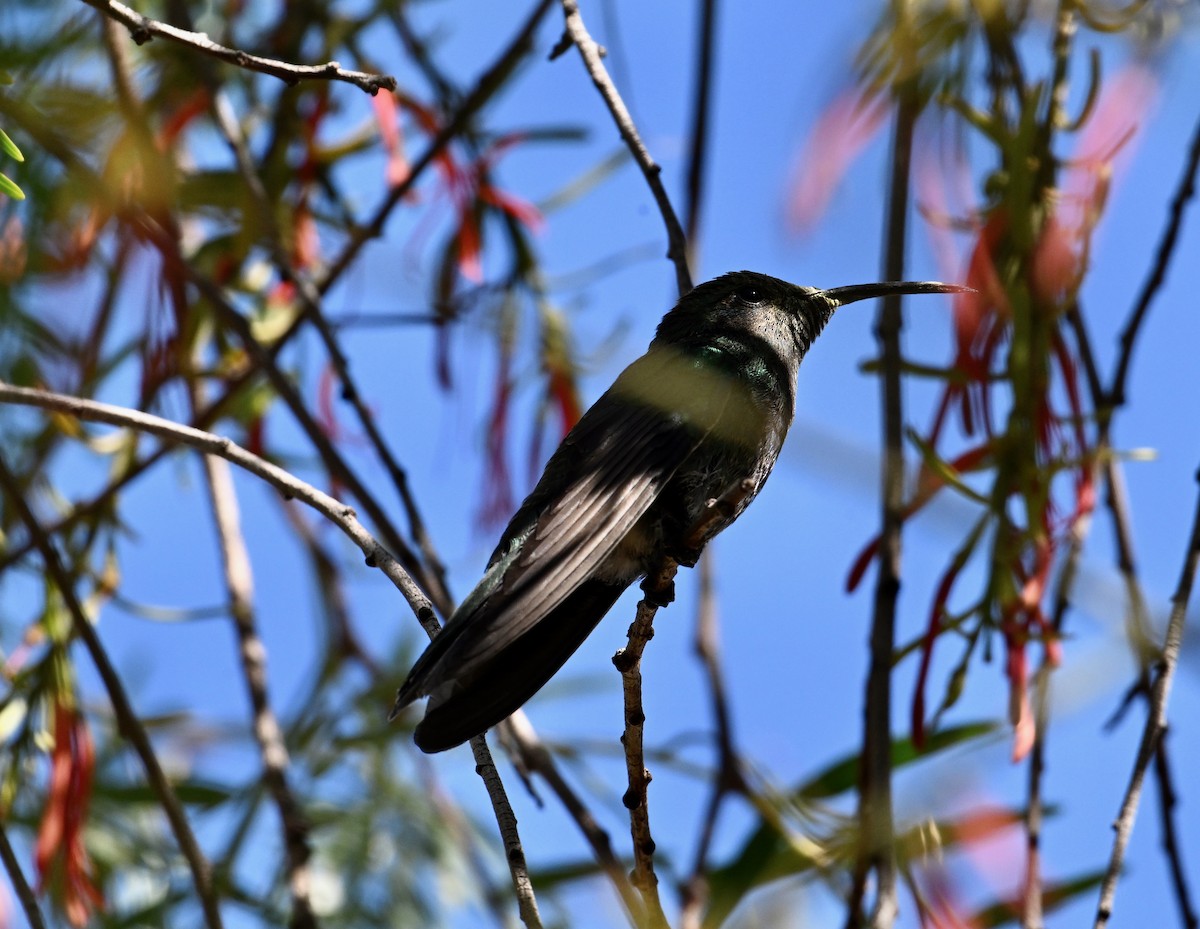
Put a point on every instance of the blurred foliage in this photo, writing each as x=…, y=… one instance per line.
x=160, y=178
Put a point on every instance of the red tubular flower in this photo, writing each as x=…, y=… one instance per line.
x=60, y=853
x=387, y=115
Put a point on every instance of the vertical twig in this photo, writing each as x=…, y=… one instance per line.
x=239, y=584
x=698, y=152
x=128, y=723
x=728, y=777
x=506, y=819
x=1032, y=909
x=876, y=839
x=590, y=52
x=1166, y=809
x=1156, y=723
x=1184, y=192
x=16, y=876
x=1138, y=623
x=628, y=661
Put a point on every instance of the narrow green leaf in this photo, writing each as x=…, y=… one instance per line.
x=1054, y=895
x=842, y=775
x=10, y=147
x=10, y=189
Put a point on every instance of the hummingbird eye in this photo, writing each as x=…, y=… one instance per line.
x=749, y=294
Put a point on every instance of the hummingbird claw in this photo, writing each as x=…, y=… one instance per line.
x=659, y=594
x=687, y=556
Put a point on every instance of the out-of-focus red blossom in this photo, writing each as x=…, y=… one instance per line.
x=326, y=410
x=387, y=115
x=497, y=503
x=14, y=251
x=282, y=295
x=469, y=241
x=563, y=389
x=519, y=209
x=306, y=243
x=1124, y=105
x=988, y=840
x=180, y=117
x=928, y=484
x=256, y=435
x=562, y=394
x=941, y=909
x=60, y=853
x=841, y=132
x=468, y=186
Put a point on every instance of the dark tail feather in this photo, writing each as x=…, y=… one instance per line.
x=518, y=672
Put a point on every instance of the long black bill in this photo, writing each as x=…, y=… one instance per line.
x=855, y=292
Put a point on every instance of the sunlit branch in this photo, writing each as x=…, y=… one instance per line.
x=273, y=753
x=576, y=34
x=341, y=514
x=310, y=301
x=142, y=29
x=1156, y=723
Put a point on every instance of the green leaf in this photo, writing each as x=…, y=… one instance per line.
x=11, y=189
x=843, y=775
x=10, y=147
x=195, y=793
x=1054, y=895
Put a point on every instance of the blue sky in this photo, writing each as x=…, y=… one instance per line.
x=793, y=641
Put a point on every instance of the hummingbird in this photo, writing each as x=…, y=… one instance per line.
x=699, y=419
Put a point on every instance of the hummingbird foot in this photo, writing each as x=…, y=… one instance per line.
x=686, y=555
x=659, y=591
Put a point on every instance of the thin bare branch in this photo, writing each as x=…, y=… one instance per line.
x=533, y=756
x=310, y=299
x=1184, y=192
x=1138, y=622
x=728, y=778
x=128, y=723
x=16, y=877
x=1170, y=837
x=273, y=753
x=876, y=829
x=628, y=661
x=339, y=513
x=590, y=52
x=142, y=29
x=701, y=105
x=514, y=854
x=1156, y=723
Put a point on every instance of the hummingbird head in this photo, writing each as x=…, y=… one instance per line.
x=769, y=315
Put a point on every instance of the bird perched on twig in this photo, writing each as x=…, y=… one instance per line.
x=698, y=419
